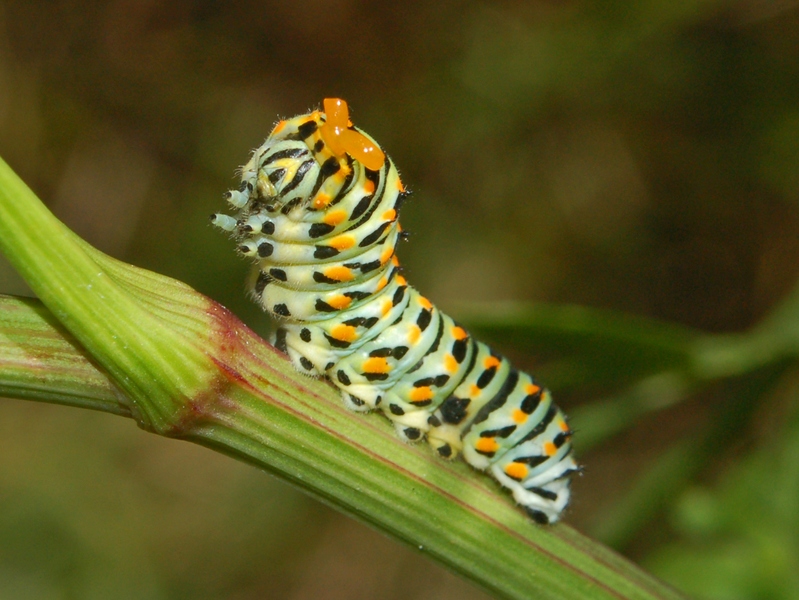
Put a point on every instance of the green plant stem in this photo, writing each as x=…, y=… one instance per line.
x=187, y=368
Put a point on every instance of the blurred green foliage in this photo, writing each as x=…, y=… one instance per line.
x=641, y=157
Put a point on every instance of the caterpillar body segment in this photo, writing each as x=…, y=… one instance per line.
x=318, y=212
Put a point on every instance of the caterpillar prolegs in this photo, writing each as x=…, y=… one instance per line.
x=317, y=210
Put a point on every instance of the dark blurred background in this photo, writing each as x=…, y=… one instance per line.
x=642, y=157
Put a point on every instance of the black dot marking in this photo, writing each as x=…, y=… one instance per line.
x=371, y=322
x=459, y=348
x=399, y=352
x=503, y=432
x=265, y=249
x=422, y=402
x=268, y=227
x=376, y=376
x=336, y=343
x=356, y=401
x=537, y=516
x=445, y=451
x=412, y=433
x=282, y=310
x=278, y=274
x=330, y=167
x=319, y=229
x=370, y=266
x=322, y=278
x=401, y=198
x=433, y=421
x=323, y=252
x=424, y=318
x=360, y=208
x=264, y=279
x=531, y=402
x=380, y=353
x=561, y=438
x=441, y=380
x=280, y=340
x=453, y=410
x=306, y=129
x=372, y=237
x=307, y=364
x=547, y=494
x=486, y=377
x=398, y=295
x=533, y=461
x=323, y=306
x=342, y=377
x=378, y=400
x=396, y=410
x=305, y=334
x=317, y=147
x=357, y=295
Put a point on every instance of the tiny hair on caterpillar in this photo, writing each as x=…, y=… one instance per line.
x=318, y=212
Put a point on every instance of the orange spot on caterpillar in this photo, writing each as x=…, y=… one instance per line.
x=387, y=305
x=322, y=200
x=376, y=364
x=421, y=394
x=450, y=364
x=395, y=261
x=550, y=449
x=369, y=187
x=459, y=333
x=400, y=186
x=474, y=391
x=339, y=273
x=519, y=416
x=414, y=333
x=401, y=280
x=516, y=471
x=426, y=304
x=486, y=445
x=491, y=362
x=390, y=215
x=532, y=388
x=345, y=333
x=563, y=425
x=387, y=254
x=381, y=284
x=278, y=128
x=343, y=242
x=339, y=139
x=340, y=302
x=335, y=217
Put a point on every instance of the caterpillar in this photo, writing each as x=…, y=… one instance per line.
x=318, y=212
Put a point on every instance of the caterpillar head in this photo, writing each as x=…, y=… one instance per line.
x=304, y=163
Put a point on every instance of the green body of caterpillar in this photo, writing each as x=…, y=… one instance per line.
x=318, y=209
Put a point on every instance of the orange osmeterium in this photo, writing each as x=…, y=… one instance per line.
x=340, y=139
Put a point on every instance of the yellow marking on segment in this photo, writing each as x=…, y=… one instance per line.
x=334, y=217
x=459, y=333
x=401, y=281
x=414, y=334
x=342, y=173
x=387, y=306
x=519, y=416
x=387, y=254
x=278, y=128
x=395, y=260
x=343, y=242
x=339, y=273
x=563, y=425
x=376, y=364
x=369, y=187
x=450, y=364
x=491, y=362
x=400, y=187
x=486, y=445
x=321, y=200
x=532, y=388
x=382, y=283
x=340, y=302
x=550, y=449
x=421, y=394
x=516, y=471
x=426, y=304
x=474, y=391
x=390, y=215
x=345, y=333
